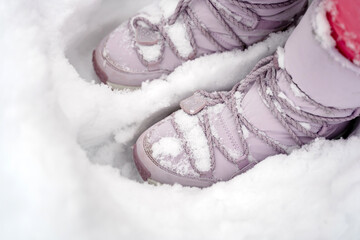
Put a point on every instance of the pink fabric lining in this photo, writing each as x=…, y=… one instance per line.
x=344, y=19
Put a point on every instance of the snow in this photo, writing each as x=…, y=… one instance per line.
x=178, y=35
x=281, y=57
x=283, y=96
x=196, y=139
x=322, y=27
x=305, y=125
x=65, y=145
x=168, y=146
x=168, y=7
x=278, y=106
x=172, y=147
x=216, y=109
x=297, y=91
x=150, y=53
x=245, y=132
x=269, y=91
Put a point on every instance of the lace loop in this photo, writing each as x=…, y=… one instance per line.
x=183, y=9
x=265, y=75
x=181, y=6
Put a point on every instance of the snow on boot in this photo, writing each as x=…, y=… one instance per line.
x=159, y=39
x=306, y=91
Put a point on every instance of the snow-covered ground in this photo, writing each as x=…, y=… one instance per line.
x=66, y=169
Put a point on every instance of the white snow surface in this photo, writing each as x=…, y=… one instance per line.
x=66, y=169
x=281, y=57
x=167, y=146
x=321, y=25
x=150, y=53
x=196, y=139
x=178, y=35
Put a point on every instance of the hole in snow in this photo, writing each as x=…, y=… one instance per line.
x=106, y=126
x=107, y=123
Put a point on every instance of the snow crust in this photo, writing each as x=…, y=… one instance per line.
x=66, y=170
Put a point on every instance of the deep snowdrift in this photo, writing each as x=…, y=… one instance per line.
x=66, y=168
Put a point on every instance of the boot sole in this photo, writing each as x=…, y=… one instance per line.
x=104, y=78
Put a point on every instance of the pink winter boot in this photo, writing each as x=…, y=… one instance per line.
x=305, y=91
x=162, y=37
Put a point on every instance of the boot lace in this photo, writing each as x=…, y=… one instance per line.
x=248, y=21
x=264, y=73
